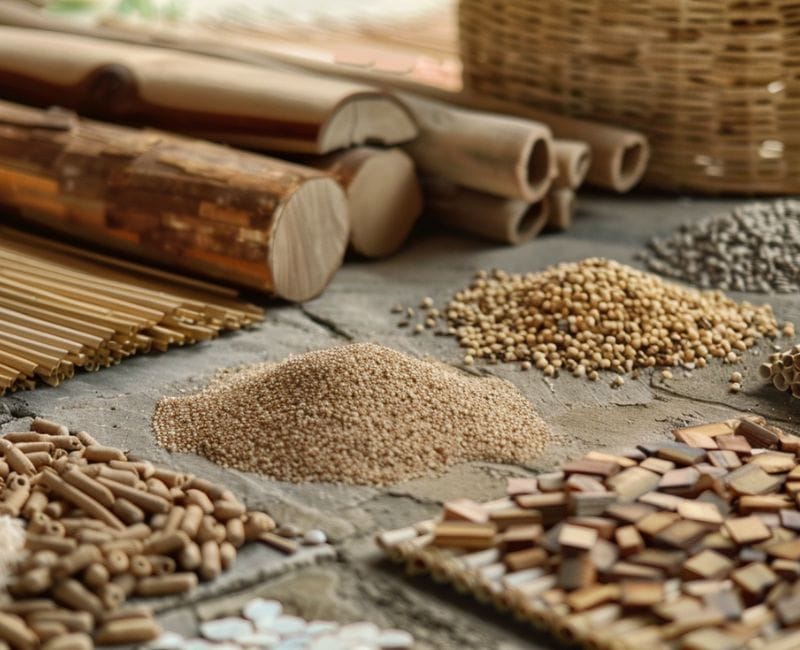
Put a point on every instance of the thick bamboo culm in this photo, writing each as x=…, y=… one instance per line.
x=218, y=212
x=63, y=309
x=237, y=103
x=690, y=544
x=562, y=208
x=508, y=221
x=383, y=196
x=496, y=154
x=618, y=156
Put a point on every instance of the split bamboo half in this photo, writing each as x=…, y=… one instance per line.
x=229, y=215
x=237, y=103
x=64, y=308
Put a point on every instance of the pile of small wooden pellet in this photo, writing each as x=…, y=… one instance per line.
x=783, y=370
x=584, y=317
x=64, y=308
x=102, y=527
x=692, y=544
x=358, y=413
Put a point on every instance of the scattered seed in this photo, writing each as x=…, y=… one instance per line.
x=426, y=303
x=525, y=365
x=419, y=328
x=735, y=387
x=666, y=374
x=468, y=360
x=736, y=377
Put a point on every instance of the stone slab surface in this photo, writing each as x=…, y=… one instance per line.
x=116, y=405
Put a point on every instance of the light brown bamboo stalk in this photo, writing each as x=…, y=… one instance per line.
x=505, y=156
x=205, y=96
x=383, y=196
x=225, y=214
x=508, y=221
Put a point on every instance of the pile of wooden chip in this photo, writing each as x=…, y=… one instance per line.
x=102, y=527
x=692, y=544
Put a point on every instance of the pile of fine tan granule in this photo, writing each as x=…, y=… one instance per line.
x=358, y=413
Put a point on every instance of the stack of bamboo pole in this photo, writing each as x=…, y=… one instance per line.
x=63, y=309
x=521, y=165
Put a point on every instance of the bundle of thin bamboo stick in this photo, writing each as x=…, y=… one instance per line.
x=63, y=308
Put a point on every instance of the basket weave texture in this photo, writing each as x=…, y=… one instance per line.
x=715, y=84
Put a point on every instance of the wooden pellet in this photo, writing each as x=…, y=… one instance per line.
x=77, y=560
x=14, y=631
x=227, y=555
x=140, y=566
x=127, y=511
x=234, y=532
x=176, y=583
x=161, y=564
x=74, y=641
x=88, y=486
x=127, y=630
x=80, y=499
x=73, y=594
x=189, y=557
x=49, y=427
x=211, y=563
x=96, y=575
x=46, y=630
x=199, y=498
x=16, y=460
x=75, y=621
x=225, y=509
x=147, y=502
x=256, y=523
x=60, y=545
x=103, y=454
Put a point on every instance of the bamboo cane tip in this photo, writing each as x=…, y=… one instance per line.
x=530, y=222
x=539, y=165
x=631, y=164
x=308, y=240
x=385, y=201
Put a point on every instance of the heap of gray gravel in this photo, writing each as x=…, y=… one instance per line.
x=755, y=248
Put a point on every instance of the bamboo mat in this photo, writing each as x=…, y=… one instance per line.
x=63, y=308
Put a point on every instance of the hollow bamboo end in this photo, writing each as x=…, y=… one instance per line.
x=631, y=164
x=538, y=166
x=308, y=240
x=529, y=222
x=385, y=201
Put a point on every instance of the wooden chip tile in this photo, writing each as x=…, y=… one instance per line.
x=514, y=517
x=641, y=593
x=632, y=483
x=464, y=534
x=521, y=536
x=662, y=501
x=668, y=561
x=657, y=465
x=628, y=540
x=708, y=565
x=525, y=559
x=652, y=524
x=712, y=429
x=788, y=610
x=584, y=483
x=774, y=462
x=522, y=485
x=790, y=519
x=786, y=550
x=629, y=512
x=682, y=534
x=724, y=458
x=754, y=578
x=756, y=434
x=603, y=555
x=551, y=482
x=767, y=503
x=683, y=455
x=622, y=461
x=700, y=511
x=576, y=572
x=465, y=510
x=725, y=600
x=605, y=526
x=737, y=444
x=592, y=596
x=577, y=537
x=695, y=439
x=747, y=530
x=751, y=479
x=628, y=570
x=585, y=504
x=602, y=468
x=676, y=478
x=786, y=569
x=709, y=639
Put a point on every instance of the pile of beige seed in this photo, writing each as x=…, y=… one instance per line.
x=359, y=413
x=597, y=315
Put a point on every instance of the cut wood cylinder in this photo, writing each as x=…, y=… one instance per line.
x=230, y=215
x=496, y=154
x=383, y=196
x=573, y=159
x=508, y=221
x=233, y=102
x=562, y=209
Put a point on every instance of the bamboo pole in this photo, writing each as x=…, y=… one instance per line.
x=225, y=214
x=240, y=104
x=508, y=221
x=562, y=209
x=383, y=196
x=496, y=154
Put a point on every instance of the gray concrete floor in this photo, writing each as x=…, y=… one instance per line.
x=352, y=581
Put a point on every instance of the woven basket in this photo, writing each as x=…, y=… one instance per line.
x=714, y=83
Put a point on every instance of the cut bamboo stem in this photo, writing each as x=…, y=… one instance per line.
x=508, y=221
x=240, y=217
x=496, y=154
x=204, y=96
x=383, y=196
